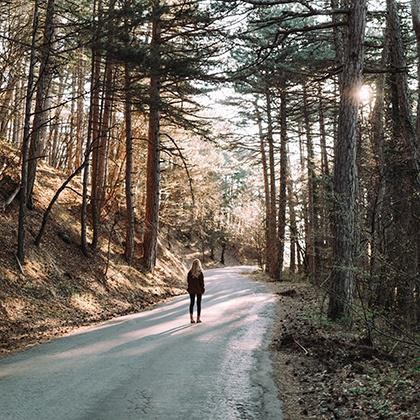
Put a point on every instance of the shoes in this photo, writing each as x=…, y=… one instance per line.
x=193, y=322
x=198, y=321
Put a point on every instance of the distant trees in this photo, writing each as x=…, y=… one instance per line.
x=143, y=60
x=106, y=90
x=345, y=153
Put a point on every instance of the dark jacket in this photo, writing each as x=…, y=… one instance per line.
x=195, y=284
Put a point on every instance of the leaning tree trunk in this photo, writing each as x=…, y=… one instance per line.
x=26, y=139
x=153, y=150
x=345, y=169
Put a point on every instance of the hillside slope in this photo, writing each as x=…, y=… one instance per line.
x=59, y=288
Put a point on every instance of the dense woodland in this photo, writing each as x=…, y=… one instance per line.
x=316, y=175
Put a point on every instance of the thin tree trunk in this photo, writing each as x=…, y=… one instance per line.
x=55, y=127
x=93, y=122
x=310, y=239
x=26, y=139
x=266, y=186
x=272, y=230
x=72, y=123
x=41, y=102
x=292, y=218
x=80, y=109
x=376, y=209
x=129, y=237
x=283, y=180
x=323, y=242
x=101, y=152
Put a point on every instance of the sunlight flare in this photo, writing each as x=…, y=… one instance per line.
x=364, y=94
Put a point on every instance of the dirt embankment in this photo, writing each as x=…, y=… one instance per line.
x=58, y=288
x=325, y=371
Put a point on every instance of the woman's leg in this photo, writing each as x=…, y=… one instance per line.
x=198, y=307
x=192, y=300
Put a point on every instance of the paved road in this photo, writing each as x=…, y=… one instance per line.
x=155, y=365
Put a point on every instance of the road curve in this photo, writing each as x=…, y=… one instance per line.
x=155, y=364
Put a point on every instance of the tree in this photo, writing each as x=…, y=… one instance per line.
x=41, y=101
x=26, y=138
x=345, y=170
x=153, y=145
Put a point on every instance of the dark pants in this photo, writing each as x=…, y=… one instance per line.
x=192, y=301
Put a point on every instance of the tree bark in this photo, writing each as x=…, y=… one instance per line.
x=272, y=230
x=345, y=169
x=310, y=233
x=129, y=237
x=292, y=220
x=79, y=109
x=100, y=151
x=41, y=101
x=283, y=181
x=153, y=150
x=415, y=7
x=266, y=186
x=93, y=123
x=26, y=139
x=403, y=188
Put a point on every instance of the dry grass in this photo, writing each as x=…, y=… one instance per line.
x=60, y=288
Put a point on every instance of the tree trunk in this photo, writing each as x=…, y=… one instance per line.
x=323, y=242
x=266, y=187
x=403, y=188
x=93, y=123
x=375, y=213
x=283, y=180
x=310, y=238
x=153, y=149
x=54, y=143
x=100, y=147
x=100, y=151
x=41, y=102
x=72, y=123
x=79, y=109
x=129, y=237
x=415, y=6
x=272, y=230
x=26, y=139
x=345, y=170
x=292, y=219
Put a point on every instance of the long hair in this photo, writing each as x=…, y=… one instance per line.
x=196, y=269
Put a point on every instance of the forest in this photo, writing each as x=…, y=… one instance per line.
x=138, y=134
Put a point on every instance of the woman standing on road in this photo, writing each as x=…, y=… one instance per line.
x=195, y=288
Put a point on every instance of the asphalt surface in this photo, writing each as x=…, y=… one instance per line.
x=155, y=364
